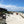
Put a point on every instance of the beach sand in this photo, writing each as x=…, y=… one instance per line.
x=14, y=19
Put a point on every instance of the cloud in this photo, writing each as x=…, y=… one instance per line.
x=12, y=7
x=8, y=7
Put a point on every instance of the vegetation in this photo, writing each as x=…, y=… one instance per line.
x=2, y=10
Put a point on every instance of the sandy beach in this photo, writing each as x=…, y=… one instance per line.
x=14, y=19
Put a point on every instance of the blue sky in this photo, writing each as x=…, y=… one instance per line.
x=12, y=4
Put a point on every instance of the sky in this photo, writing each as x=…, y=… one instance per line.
x=12, y=5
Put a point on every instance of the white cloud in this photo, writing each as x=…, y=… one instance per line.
x=7, y=6
x=1, y=5
x=11, y=7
